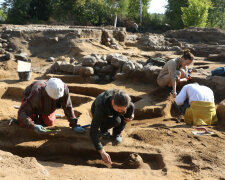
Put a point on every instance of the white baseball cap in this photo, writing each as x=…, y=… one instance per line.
x=55, y=88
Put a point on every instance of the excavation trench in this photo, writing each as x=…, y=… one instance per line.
x=65, y=146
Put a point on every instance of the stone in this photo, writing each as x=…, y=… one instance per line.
x=77, y=69
x=117, y=60
x=134, y=161
x=72, y=60
x=9, y=56
x=128, y=67
x=157, y=61
x=2, y=51
x=88, y=61
x=101, y=63
x=4, y=45
x=50, y=59
x=103, y=57
x=108, y=69
x=86, y=71
x=95, y=55
x=138, y=66
x=67, y=67
x=21, y=56
x=55, y=67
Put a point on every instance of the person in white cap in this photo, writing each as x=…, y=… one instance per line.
x=40, y=100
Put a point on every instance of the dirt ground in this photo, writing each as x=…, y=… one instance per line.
x=167, y=146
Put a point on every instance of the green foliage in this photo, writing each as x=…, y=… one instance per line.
x=173, y=13
x=3, y=15
x=134, y=9
x=18, y=11
x=196, y=13
x=216, y=16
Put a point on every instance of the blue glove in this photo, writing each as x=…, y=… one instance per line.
x=39, y=129
x=79, y=129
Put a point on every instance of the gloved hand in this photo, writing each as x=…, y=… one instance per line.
x=39, y=129
x=79, y=129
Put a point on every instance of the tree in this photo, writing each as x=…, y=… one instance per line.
x=134, y=9
x=216, y=16
x=173, y=13
x=196, y=13
x=40, y=9
x=17, y=11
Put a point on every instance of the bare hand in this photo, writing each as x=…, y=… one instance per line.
x=105, y=156
x=174, y=95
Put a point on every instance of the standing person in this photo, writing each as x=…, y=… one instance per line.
x=175, y=71
x=196, y=102
x=135, y=27
x=111, y=109
x=40, y=100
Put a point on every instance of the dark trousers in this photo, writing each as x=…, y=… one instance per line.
x=117, y=123
x=182, y=108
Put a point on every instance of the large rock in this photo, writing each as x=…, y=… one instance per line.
x=86, y=71
x=67, y=67
x=117, y=60
x=88, y=61
x=77, y=69
x=101, y=63
x=128, y=67
x=108, y=69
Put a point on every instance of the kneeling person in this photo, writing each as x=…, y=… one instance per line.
x=111, y=109
x=196, y=102
x=40, y=100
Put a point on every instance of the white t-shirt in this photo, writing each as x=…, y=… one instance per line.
x=194, y=92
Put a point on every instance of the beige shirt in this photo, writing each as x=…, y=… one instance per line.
x=171, y=68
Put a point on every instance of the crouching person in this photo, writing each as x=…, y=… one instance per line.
x=40, y=100
x=111, y=109
x=196, y=102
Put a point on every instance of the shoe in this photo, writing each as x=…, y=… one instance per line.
x=118, y=139
x=78, y=129
x=106, y=135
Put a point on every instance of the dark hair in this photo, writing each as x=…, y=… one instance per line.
x=188, y=55
x=121, y=98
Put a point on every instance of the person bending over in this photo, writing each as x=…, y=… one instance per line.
x=196, y=102
x=111, y=109
x=39, y=102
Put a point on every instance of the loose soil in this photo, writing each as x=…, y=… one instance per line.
x=157, y=134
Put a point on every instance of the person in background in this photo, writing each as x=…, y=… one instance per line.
x=196, y=102
x=135, y=27
x=175, y=72
x=39, y=102
x=111, y=109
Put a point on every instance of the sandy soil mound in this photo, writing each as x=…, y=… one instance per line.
x=17, y=168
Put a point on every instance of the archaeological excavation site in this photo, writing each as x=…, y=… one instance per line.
x=157, y=143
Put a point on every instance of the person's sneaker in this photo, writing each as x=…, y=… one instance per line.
x=106, y=135
x=118, y=139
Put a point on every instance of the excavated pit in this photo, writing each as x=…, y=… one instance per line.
x=65, y=146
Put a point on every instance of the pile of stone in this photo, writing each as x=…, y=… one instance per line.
x=106, y=68
x=108, y=40
x=159, y=43
x=5, y=50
